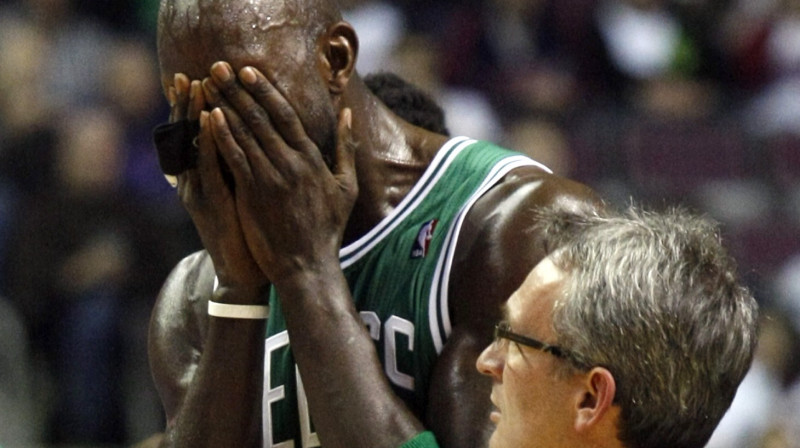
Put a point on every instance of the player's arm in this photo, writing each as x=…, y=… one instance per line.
x=495, y=252
x=208, y=376
x=208, y=370
x=280, y=172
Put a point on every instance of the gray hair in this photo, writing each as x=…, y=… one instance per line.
x=654, y=298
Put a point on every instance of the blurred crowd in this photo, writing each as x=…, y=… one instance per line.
x=693, y=102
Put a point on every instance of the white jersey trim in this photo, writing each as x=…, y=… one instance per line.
x=438, y=302
x=443, y=159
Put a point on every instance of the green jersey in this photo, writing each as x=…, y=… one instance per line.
x=398, y=275
x=422, y=440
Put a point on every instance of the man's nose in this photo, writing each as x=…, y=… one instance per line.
x=490, y=361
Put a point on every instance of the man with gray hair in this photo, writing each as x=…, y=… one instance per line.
x=633, y=332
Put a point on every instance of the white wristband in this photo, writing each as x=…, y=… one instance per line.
x=231, y=311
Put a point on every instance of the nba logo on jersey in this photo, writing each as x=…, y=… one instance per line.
x=423, y=241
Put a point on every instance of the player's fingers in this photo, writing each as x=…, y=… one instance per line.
x=282, y=115
x=237, y=127
x=188, y=182
x=172, y=98
x=243, y=134
x=196, y=102
x=253, y=114
x=212, y=95
x=345, y=171
x=207, y=162
x=189, y=189
x=231, y=152
x=181, y=84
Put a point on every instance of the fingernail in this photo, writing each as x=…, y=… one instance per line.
x=218, y=116
x=203, y=121
x=221, y=71
x=211, y=88
x=180, y=83
x=172, y=96
x=248, y=75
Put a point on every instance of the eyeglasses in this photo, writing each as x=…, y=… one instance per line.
x=503, y=331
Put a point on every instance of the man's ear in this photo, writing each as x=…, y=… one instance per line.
x=596, y=399
x=338, y=55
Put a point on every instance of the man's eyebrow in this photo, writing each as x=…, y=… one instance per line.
x=504, y=312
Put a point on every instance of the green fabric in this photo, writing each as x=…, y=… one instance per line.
x=422, y=440
x=398, y=276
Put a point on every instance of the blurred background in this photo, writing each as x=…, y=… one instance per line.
x=693, y=102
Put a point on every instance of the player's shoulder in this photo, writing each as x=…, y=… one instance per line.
x=192, y=273
x=188, y=286
x=497, y=246
x=528, y=188
x=178, y=326
x=508, y=210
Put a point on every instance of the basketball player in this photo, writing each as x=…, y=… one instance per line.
x=436, y=240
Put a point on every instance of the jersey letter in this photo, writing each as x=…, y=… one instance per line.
x=393, y=326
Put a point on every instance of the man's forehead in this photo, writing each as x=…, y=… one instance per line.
x=193, y=35
x=242, y=20
x=230, y=9
x=537, y=293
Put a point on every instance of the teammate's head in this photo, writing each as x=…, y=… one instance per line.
x=300, y=44
x=408, y=101
x=658, y=334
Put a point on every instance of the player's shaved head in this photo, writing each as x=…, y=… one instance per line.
x=193, y=34
x=301, y=45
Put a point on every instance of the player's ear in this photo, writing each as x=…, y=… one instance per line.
x=595, y=399
x=338, y=55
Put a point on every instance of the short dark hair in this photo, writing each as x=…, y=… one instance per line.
x=408, y=101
